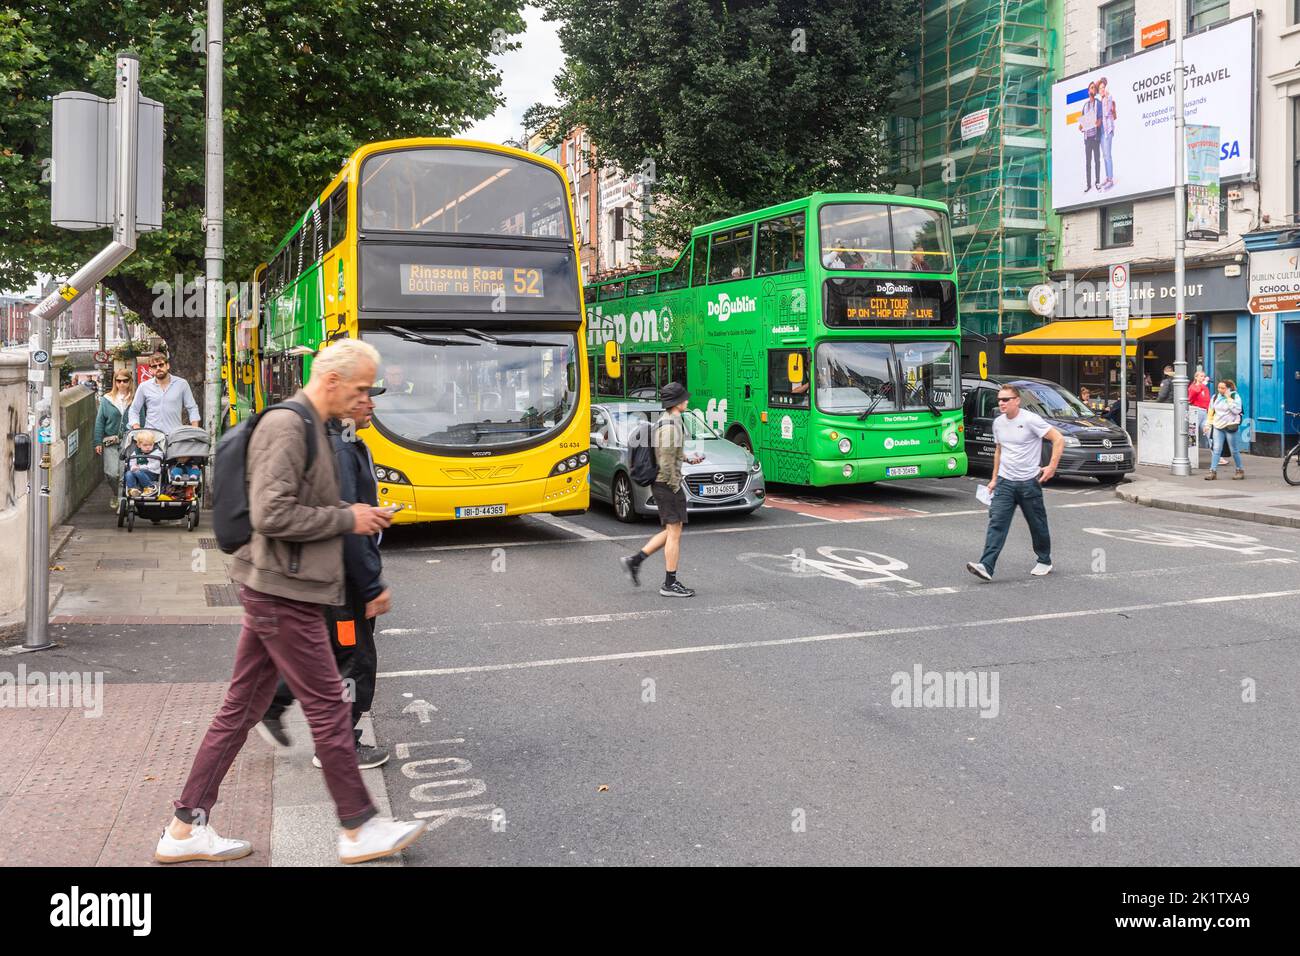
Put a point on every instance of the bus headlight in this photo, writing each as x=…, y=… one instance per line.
x=572, y=463
x=951, y=439
x=952, y=464
x=846, y=446
x=392, y=475
x=848, y=471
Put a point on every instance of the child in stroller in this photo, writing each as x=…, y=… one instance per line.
x=187, y=450
x=142, y=475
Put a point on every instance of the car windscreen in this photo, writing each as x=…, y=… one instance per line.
x=1051, y=401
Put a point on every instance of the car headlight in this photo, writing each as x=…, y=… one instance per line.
x=846, y=446
x=755, y=467
x=1071, y=441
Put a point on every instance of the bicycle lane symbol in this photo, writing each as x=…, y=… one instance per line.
x=849, y=565
x=1190, y=538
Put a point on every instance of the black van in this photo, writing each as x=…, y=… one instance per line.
x=1093, y=446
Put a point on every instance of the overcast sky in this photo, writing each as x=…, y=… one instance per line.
x=526, y=76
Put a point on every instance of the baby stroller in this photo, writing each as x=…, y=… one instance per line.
x=172, y=499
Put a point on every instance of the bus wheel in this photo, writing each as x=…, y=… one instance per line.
x=740, y=437
x=624, y=509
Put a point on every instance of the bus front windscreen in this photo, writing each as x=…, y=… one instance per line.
x=869, y=377
x=459, y=391
x=880, y=237
x=464, y=191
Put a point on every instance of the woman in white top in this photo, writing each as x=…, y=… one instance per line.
x=1224, y=422
x=110, y=424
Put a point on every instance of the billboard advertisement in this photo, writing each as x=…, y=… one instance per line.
x=1202, y=165
x=1113, y=125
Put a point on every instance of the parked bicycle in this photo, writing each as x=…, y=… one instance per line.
x=1291, y=460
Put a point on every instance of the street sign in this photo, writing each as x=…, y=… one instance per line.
x=1279, y=302
x=43, y=436
x=40, y=357
x=1119, y=297
x=1268, y=338
x=101, y=357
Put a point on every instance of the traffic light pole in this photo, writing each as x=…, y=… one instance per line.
x=41, y=383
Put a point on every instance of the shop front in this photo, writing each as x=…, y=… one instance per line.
x=1267, y=342
x=1079, y=348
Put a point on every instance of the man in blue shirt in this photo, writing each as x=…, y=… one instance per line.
x=1091, y=126
x=159, y=401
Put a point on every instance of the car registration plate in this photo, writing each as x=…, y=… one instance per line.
x=1112, y=457
x=481, y=511
x=715, y=491
x=903, y=471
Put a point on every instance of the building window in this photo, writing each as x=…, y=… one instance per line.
x=584, y=217
x=1295, y=152
x=1117, y=225
x=1204, y=13
x=1116, y=30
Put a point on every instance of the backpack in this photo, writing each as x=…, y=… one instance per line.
x=645, y=466
x=230, y=518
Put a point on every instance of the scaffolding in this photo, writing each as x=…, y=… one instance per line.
x=975, y=56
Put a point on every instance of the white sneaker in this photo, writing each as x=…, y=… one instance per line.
x=1041, y=569
x=203, y=843
x=379, y=837
x=977, y=569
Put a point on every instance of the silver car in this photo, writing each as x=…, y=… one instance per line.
x=729, y=478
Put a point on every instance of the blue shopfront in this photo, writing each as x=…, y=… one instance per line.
x=1264, y=348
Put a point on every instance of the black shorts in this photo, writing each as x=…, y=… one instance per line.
x=671, y=504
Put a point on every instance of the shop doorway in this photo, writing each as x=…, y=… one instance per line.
x=1223, y=360
x=1291, y=386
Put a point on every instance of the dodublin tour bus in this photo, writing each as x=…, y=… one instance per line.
x=822, y=334
x=457, y=261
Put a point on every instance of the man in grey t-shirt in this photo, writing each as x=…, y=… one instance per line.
x=1017, y=480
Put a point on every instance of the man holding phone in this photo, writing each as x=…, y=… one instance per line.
x=1018, y=480
x=353, y=624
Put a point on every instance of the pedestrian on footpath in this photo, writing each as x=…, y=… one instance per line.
x=669, y=492
x=352, y=626
x=110, y=426
x=160, y=401
x=1018, y=481
x=1198, y=397
x=289, y=572
x=1224, y=422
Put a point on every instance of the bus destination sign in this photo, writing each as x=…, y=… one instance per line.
x=904, y=307
x=865, y=303
x=470, y=280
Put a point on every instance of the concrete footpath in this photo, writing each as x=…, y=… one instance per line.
x=145, y=627
x=1262, y=496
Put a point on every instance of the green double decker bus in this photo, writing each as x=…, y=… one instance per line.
x=822, y=334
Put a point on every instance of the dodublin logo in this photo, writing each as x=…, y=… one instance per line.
x=726, y=306
x=892, y=288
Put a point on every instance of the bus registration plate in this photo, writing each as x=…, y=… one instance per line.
x=902, y=472
x=481, y=511
x=715, y=491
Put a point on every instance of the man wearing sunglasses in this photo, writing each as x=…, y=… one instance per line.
x=160, y=401
x=1018, y=481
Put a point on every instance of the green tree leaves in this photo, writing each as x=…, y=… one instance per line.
x=739, y=104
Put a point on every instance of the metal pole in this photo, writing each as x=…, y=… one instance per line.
x=40, y=415
x=214, y=253
x=1181, y=464
x=1123, y=381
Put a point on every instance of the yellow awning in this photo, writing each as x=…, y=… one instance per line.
x=1084, y=337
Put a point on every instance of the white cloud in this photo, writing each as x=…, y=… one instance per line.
x=526, y=78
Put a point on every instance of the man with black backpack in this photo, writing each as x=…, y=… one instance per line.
x=290, y=568
x=669, y=444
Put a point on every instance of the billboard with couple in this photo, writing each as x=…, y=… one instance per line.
x=1113, y=126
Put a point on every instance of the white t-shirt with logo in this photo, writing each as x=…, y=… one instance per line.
x=1021, y=439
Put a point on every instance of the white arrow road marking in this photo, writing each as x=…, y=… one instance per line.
x=420, y=708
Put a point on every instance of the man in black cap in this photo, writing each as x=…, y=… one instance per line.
x=353, y=624
x=669, y=492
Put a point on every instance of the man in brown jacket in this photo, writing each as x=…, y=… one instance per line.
x=287, y=573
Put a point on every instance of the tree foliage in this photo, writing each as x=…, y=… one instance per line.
x=306, y=82
x=736, y=104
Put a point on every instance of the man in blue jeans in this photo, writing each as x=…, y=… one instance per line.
x=1018, y=480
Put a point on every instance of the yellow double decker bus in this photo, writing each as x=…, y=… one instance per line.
x=457, y=260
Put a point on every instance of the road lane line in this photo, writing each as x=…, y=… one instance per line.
x=569, y=526
x=589, y=618
x=739, y=529
x=848, y=636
